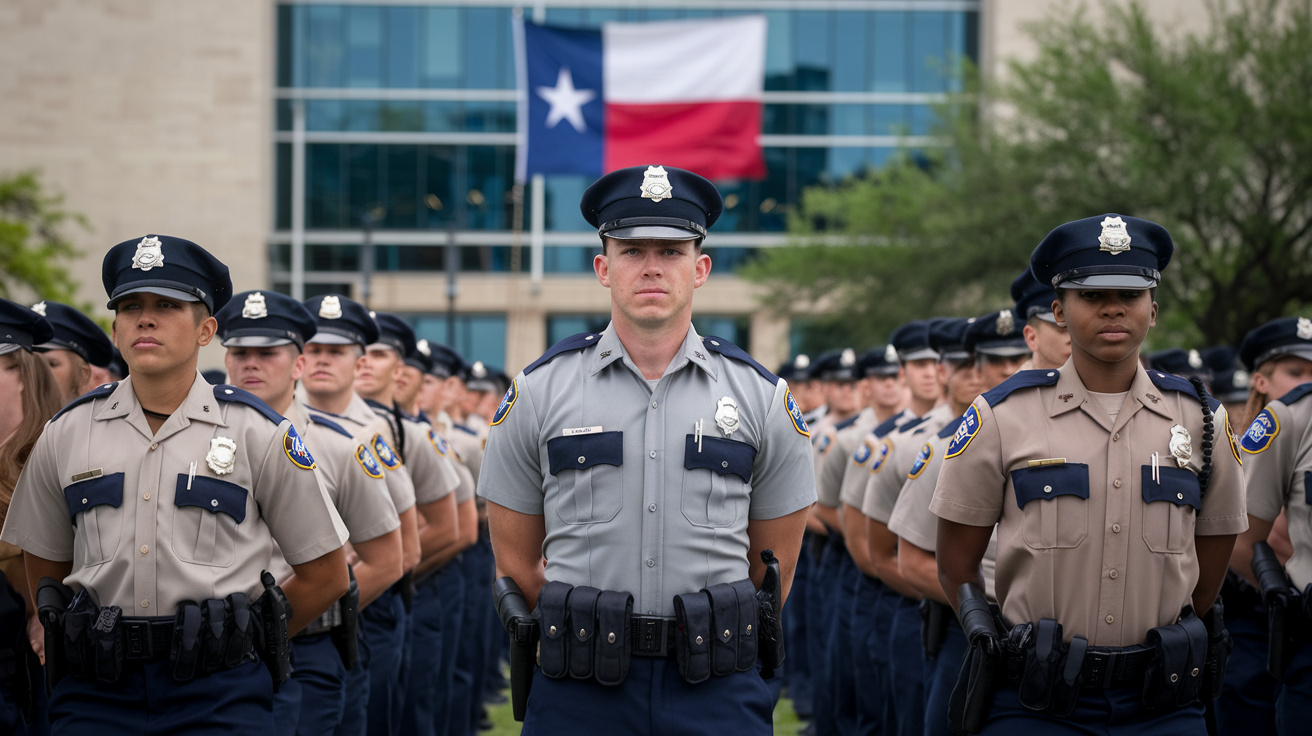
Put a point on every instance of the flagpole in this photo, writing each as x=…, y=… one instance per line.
x=537, y=204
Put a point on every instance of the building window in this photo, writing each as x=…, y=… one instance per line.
x=477, y=336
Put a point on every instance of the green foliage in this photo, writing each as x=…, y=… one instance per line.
x=33, y=247
x=1209, y=135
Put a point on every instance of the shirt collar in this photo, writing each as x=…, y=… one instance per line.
x=609, y=349
x=200, y=405
x=1071, y=394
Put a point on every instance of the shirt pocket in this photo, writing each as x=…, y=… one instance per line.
x=1055, y=503
x=717, y=487
x=93, y=507
x=1169, y=508
x=205, y=519
x=589, y=471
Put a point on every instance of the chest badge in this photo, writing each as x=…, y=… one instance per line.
x=222, y=457
x=726, y=415
x=1180, y=446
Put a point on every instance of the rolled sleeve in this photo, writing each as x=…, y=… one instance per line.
x=971, y=485
x=783, y=477
x=1224, y=505
x=296, y=506
x=511, y=472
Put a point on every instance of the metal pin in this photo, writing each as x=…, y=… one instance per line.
x=191, y=474
x=697, y=432
x=1157, y=476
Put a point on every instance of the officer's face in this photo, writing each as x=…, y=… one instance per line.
x=842, y=397
x=962, y=380
x=409, y=381
x=994, y=369
x=268, y=372
x=886, y=391
x=1289, y=372
x=377, y=370
x=455, y=391
x=1107, y=326
x=922, y=378
x=330, y=369
x=71, y=373
x=158, y=334
x=1051, y=344
x=11, y=395
x=432, y=395
x=651, y=281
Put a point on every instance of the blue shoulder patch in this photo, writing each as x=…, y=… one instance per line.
x=1171, y=382
x=92, y=395
x=729, y=350
x=1024, y=379
x=950, y=428
x=573, y=342
x=334, y=426
x=886, y=427
x=846, y=423
x=232, y=393
x=1289, y=398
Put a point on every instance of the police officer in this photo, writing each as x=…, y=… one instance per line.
x=1179, y=361
x=1117, y=498
x=652, y=468
x=1048, y=342
x=159, y=500
x=79, y=345
x=1229, y=382
x=1277, y=463
x=265, y=334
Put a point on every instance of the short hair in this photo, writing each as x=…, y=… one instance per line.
x=697, y=242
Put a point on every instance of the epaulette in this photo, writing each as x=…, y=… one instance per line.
x=334, y=426
x=224, y=392
x=907, y=427
x=846, y=423
x=377, y=405
x=1024, y=379
x=92, y=395
x=1171, y=382
x=313, y=410
x=573, y=342
x=886, y=427
x=950, y=428
x=1289, y=398
x=729, y=350
x=465, y=429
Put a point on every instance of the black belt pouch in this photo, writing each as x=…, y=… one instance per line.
x=551, y=616
x=1066, y=689
x=1174, y=673
x=582, y=631
x=184, y=654
x=612, y=637
x=692, y=638
x=108, y=644
x=1042, y=666
x=78, y=637
x=747, y=624
x=724, y=627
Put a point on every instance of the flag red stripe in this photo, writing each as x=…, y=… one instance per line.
x=714, y=139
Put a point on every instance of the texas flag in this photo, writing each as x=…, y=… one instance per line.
x=676, y=93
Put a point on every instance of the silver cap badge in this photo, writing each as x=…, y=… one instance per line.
x=39, y=308
x=726, y=415
x=1195, y=360
x=1304, y=328
x=890, y=354
x=1240, y=379
x=1115, y=239
x=848, y=358
x=330, y=308
x=254, y=308
x=149, y=254
x=802, y=362
x=422, y=346
x=478, y=370
x=1006, y=322
x=1180, y=448
x=656, y=184
x=222, y=457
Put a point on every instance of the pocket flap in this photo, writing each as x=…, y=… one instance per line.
x=1178, y=485
x=581, y=451
x=107, y=490
x=213, y=495
x=720, y=455
x=1050, y=481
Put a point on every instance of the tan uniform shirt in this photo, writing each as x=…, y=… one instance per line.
x=823, y=435
x=1090, y=533
x=828, y=490
x=899, y=450
x=432, y=474
x=856, y=473
x=1277, y=452
x=373, y=432
x=351, y=474
x=468, y=484
x=143, y=530
x=469, y=448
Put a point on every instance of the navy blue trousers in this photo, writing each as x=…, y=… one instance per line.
x=906, y=668
x=876, y=648
x=310, y=703
x=436, y=612
x=821, y=591
x=146, y=701
x=471, y=657
x=869, y=678
x=941, y=676
x=1117, y=712
x=1247, y=705
x=842, y=660
x=355, y=710
x=385, y=622
x=1294, y=696
x=653, y=700
x=797, y=660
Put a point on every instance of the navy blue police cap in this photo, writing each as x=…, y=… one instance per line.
x=1276, y=339
x=796, y=369
x=1104, y=252
x=880, y=361
x=948, y=337
x=834, y=365
x=1179, y=361
x=443, y=361
x=341, y=321
x=167, y=266
x=999, y=334
x=652, y=202
x=1230, y=382
x=214, y=377
x=398, y=335
x=912, y=341
x=117, y=366
x=498, y=379
x=261, y=319
x=21, y=328
x=1033, y=298
x=478, y=377
x=76, y=332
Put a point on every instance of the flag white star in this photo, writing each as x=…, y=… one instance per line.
x=566, y=102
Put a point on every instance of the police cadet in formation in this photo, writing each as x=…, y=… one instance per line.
x=1117, y=497
x=374, y=685
x=265, y=334
x=666, y=479
x=148, y=514
x=1049, y=343
x=1228, y=382
x=1277, y=451
x=1181, y=362
x=79, y=352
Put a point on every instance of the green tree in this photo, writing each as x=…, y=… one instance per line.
x=1209, y=135
x=33, y=247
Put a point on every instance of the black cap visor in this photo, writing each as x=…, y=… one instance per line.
x=1003, y=348
x=337, y=336
x=1300, y=349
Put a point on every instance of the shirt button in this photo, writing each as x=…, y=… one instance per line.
x=1116, y=483
x=651, y=507
x=1110, y=619
x=214, y=502
x=1180, y=496
x=1047, y=489
x=582, y=459
x=155, y=446
x=1112, y=574
x=146, y=495
x=1116, y=437
x=145, y=549
x=653, y=404
x=724, y=463
x=1116, y=528
x=653, y=454
x=651, y=562
x=145, y=603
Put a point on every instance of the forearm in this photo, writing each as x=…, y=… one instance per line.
x=920, y=569
x=440, y=528
x=883, y=559
x=854, y=534
x=1241, y=557
x=1213, y=557
x=379, y=565
x=784, y=536
x=961, y=547
x=314, y=586
x=409, y=539
x=517, y=546
x=828, y=517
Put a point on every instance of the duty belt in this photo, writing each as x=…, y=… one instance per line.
x=147, y=639
x=326, y=622
x=1115, y=666
x=651, y=637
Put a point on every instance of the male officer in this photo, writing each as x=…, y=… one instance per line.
x=1117, y=498
x=653, y=468
x=79, y=346
x=265, y=333
x=1048, y=342
x=159, y=500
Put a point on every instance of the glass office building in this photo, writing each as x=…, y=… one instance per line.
x=404, y=115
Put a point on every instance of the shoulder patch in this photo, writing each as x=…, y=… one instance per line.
x=334, y=426
x=795, y=413
x=950, y=428
x=881, y=454
x=966, y=430
x=1261, y=432
x=241, y=396
x=922, y=461
x=729, y=350
x=886, y=427
x=95, y=393
x=1298, y=393
x=823, y=442
x=384, y=452
x=1023, y=379
x=573, y=342
x=507, y=403
x=296, y=450
x=367, y=462
x=863, y=451
x=439, y=443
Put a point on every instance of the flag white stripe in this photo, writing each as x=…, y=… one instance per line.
x=696, y=60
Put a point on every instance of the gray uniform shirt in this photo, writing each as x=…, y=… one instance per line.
x=143, y=530
x=469, y=448
x=1277, y=452
x=631, y=501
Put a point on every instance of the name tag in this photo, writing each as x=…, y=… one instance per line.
x=88, y=475
x=580, y=430
x=1047, y=461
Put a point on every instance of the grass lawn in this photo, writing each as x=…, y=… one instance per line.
x=785, y=720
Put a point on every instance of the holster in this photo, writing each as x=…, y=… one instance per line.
x=1050, y=678
x=770, y=615
x=1283, y=609
x=345, y=636
x=272, y=611
x=934, y=618
x=1219, y=646
x=52, y=600
x=78, y=620
x=972, y=697
x=107, y=645
x=512, y=609
x=1174, y=676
